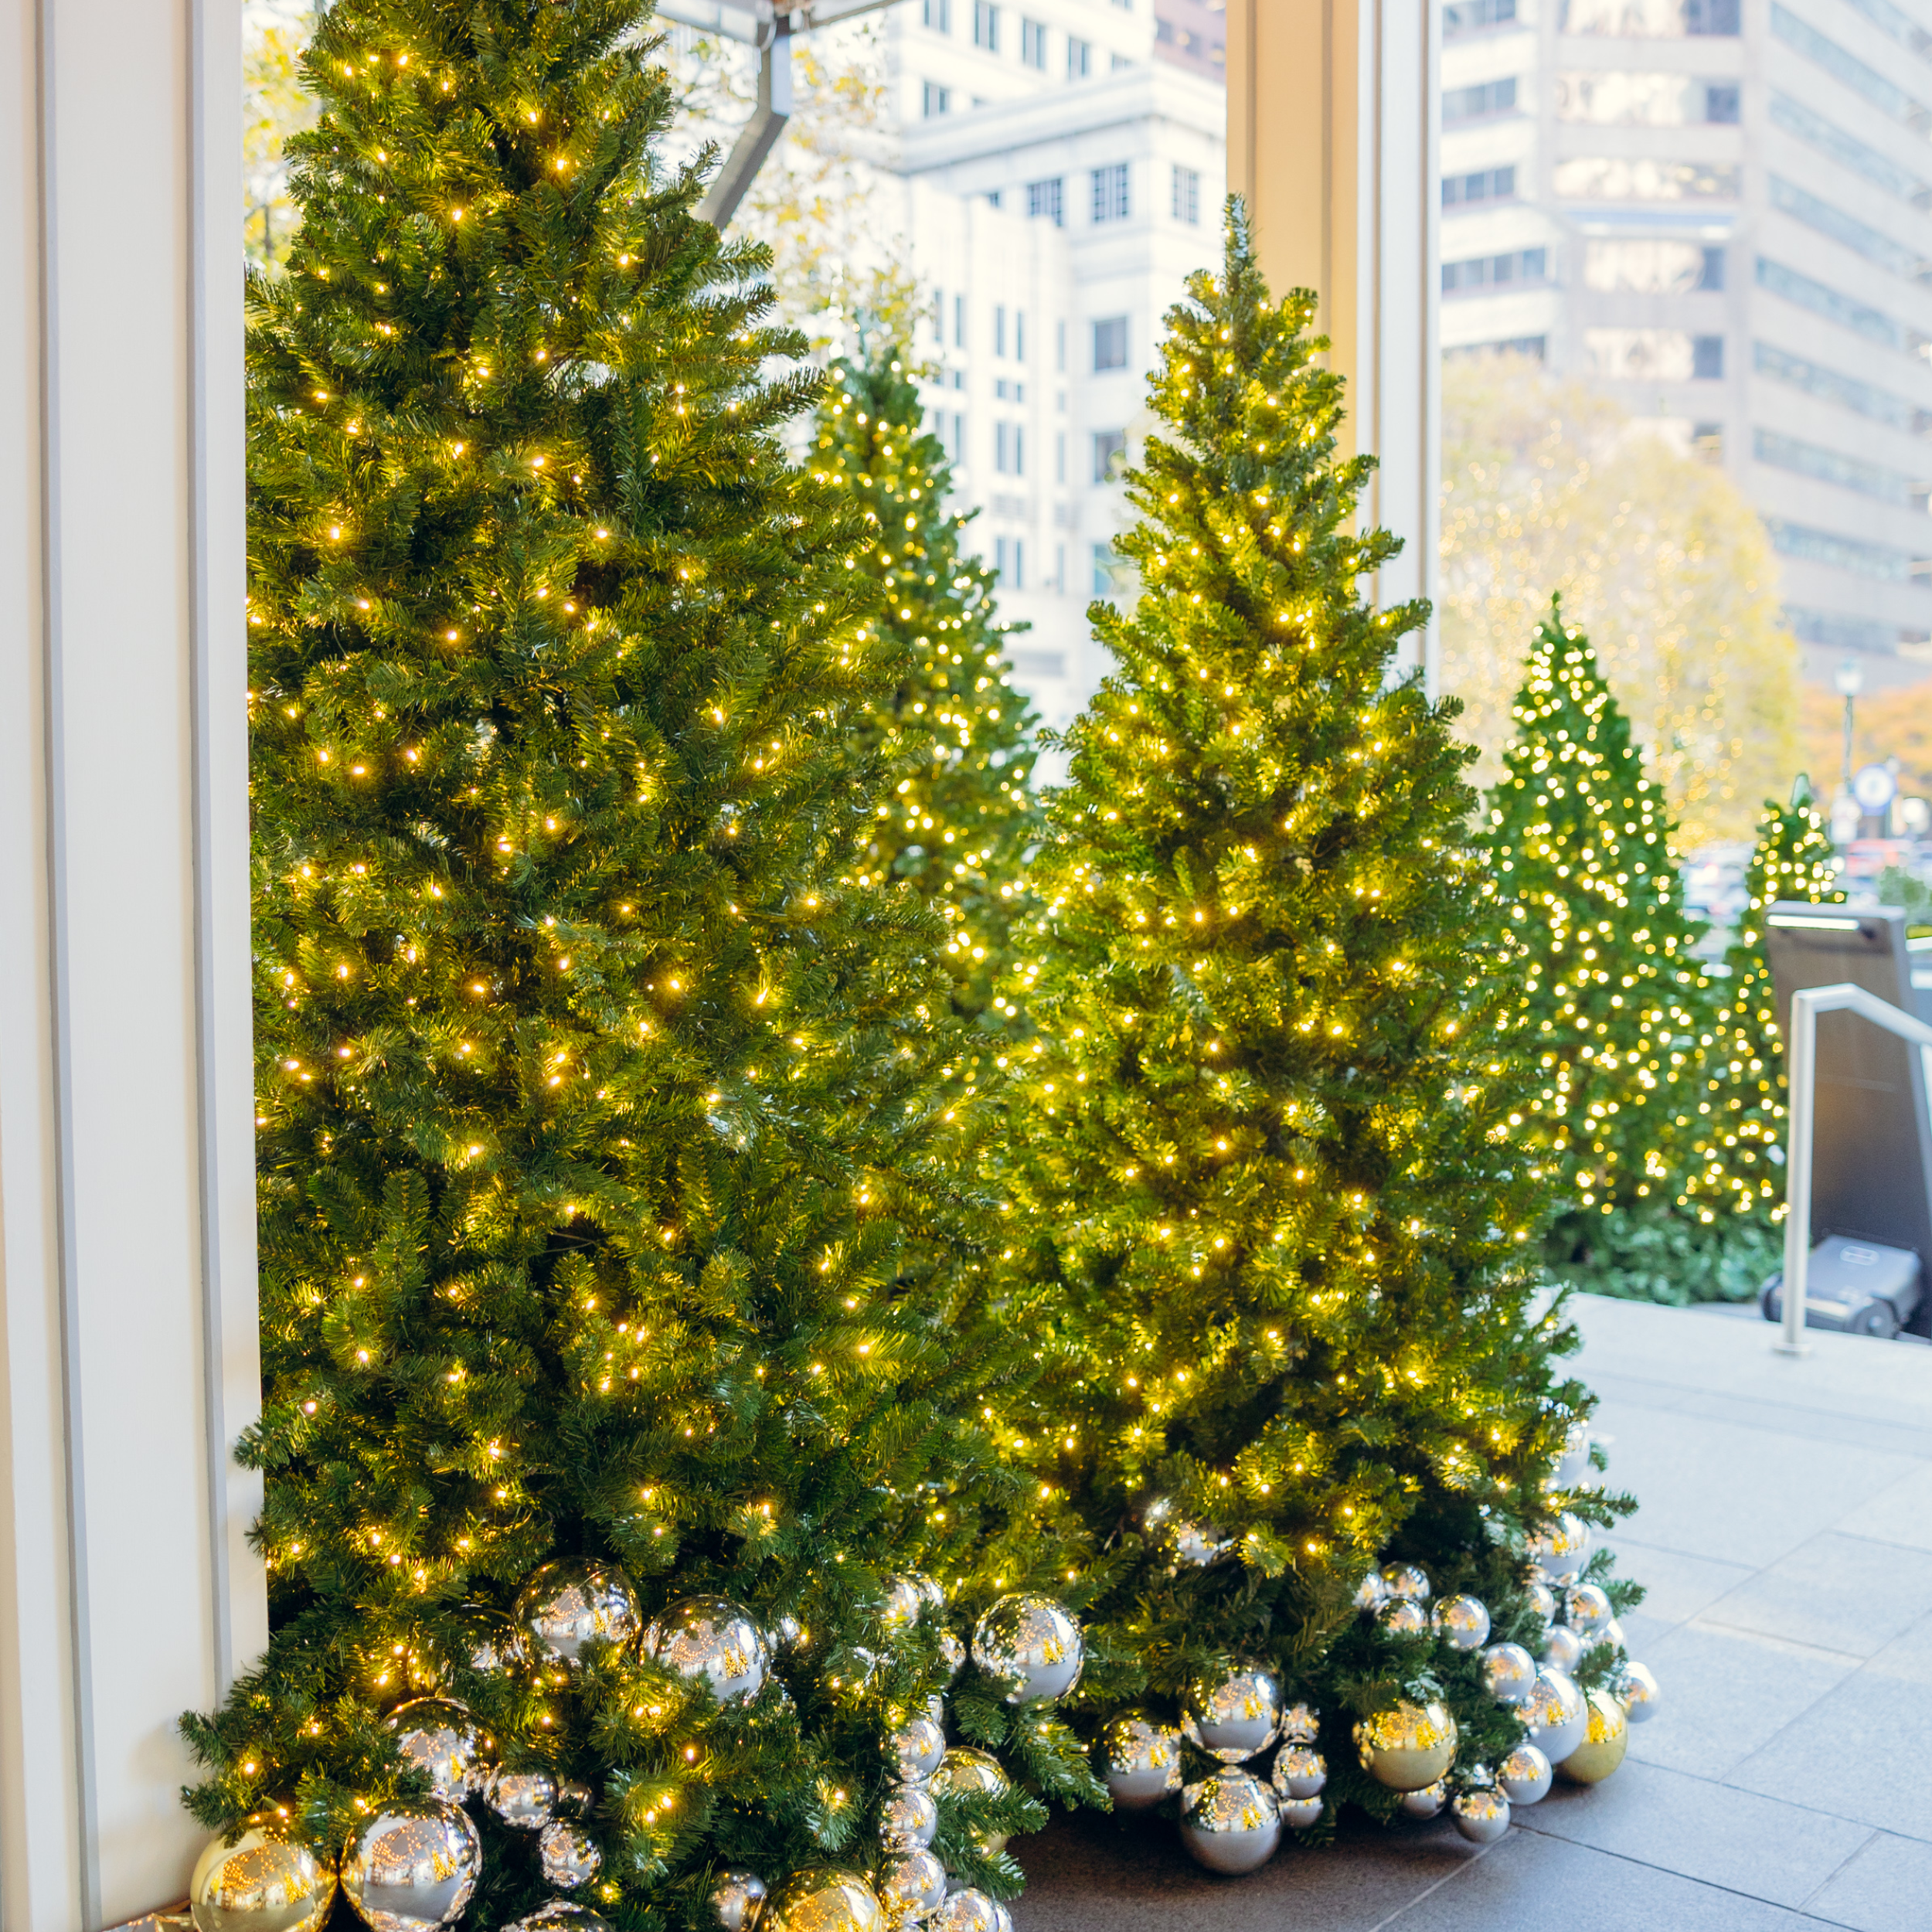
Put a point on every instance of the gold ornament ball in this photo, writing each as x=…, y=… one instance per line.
x=819, y=1900
x=259, y=1884
x=1604, y=1742
x=1408, y=1748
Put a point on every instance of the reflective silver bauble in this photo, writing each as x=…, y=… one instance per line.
x=1561, y=1547
x=1562, y=1647
x=965, y=1769
x=1526, y=1776
x=1409, y=1581
x=259, y=1884
x=1586, y=1608
x=1408, y=1746
x=1299, y=1772
x=1572, y=1461
x=738, y=1899
x=918, y=1745
x=1461, y=1622
x=438, y=1736
x=566, y=1606
x=1297, y=1813
x=966, y=1910
x=569, y=1854
x=1233, y=1717
x=1030, y=1647
x=1611, y=1633
x=413, y=1865
x=953, y=1652
x=1481, y=1816
x=818, y=1901
x=1301, y=1724
x=1428, y=1802
x=930, y=1588
x=496, y=1643
x=1185, y=1541
x=1557, y=1716
x=1543, y=1602
x=1372, y=1593
x=784, y=1633
x=1636, y=1690
x=903, y=1604
x=560, y=1915
x=935, y=1710
x=1139, y=1759
x=1230, y=1822
x=911, y=1887
x=709, y=1639
x=1403, y=1616
x=525, y=1799
x=1508, y=1673
x=910, y=1819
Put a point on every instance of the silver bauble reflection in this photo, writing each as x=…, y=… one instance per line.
x=910, y=1819
x=1230, y=1822
x=525, y=1799
x=1403, y=1616
x=1297, y=1813
x=966, y=1910
x=1562, y=1647
x=1184, y=1540
x=560, y=1915
x=710, y=1640
x=1298, y=1772
x=1525, y=1776
x=738, y=1899
x=259, y=1884
x=569, y=1854
x=1508, y=1673
x=1461, y=1622
x=1587, y=1607
x=1030, y=1647
x=1543, y=1602
x=1407, y=1746
x=438, y=1736
x=819, y=1900
x=1139, y=1760
x=1372, y=1593
x=1557, y=1716
x=1635, y=1688
x=1573, y=1461
x=918, y=1745
x=1234, y=1716
x=567, y=1606
x=413, y=1865
x=1481, y=1816
x=1428, y=1802
x=1301, y=1724
x=1409, y=1580
x=902, y=1604
x=1561, y=1547
x=912, y=1886
x=965, y=1768
x=953, y=1652
x=1612, y=1633
x=496, y=1645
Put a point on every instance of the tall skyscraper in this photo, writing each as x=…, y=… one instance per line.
x=1721, y=212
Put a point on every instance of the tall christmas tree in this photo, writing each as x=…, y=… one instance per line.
x=1736, y=1175
x=1614, y=1007
x=961, y=815
x=1271, y=1162
x=624, y=1324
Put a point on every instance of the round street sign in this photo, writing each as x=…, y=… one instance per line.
x=1874, y=787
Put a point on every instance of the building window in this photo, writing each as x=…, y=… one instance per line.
x=1650, y=19
x=1032, y=43
x=1722, y=102
x=1110, y=344
x=959, y=321
x=1654, y=355
x=1653, y=267
x=1472, y=103
x=1622, y=177
x=1059, y=457
x=959, y=436
x=1878, y=560
x=1486, y=184
x=1019, y=342
x=999, y=328
x=1045, y=201
x=936, y=100
x=1465, y=16
x=1532, y=346
x=1832, y=466
x=1608, y=98
x=1496, y=271
x=1110, y=452
x=1104, y=563
x=1080, y=58
x=986, y=26
x=1707, y=358
x=1707, y=442
x=1009, y=560
x=1109, y=192
x=1187, y=193
x=938, y=16
x=1847, y=391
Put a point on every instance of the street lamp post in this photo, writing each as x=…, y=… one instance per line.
x=1850, y=680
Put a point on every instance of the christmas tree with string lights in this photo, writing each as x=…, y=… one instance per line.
x=1268, y=1157
x=626, y=1340
x=961, y=815
x=1737, y=1178
x=1615, y=1015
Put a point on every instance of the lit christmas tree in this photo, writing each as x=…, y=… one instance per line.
x=1614, y=1010
x=1270, y=1162
x=625, y=1342
x=961, y=738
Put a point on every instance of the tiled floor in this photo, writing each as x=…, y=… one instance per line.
x=1785, y=1533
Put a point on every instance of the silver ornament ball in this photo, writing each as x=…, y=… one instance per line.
x=1301, y=1724
x=1508, y=1673
x=1481, y=1816
x=1230, y=1822
x=413, y=1865
x=1140, y=1760
x=438, y=1736
x=1587, y=1607
x=1572, y=1461
x=1461, y=1622
x=954, y=1654
x=1557, y=1716
x=496, y=1645
x=1635, y=1688
x=910, y=1819
x=1426, y=1802
x=964, y=1769
x=1297, y=1813
x=737, y=1900
x=560, y=1915
x=1233, y=1716
x=1409, y=1580
x=912, y=1887
x=710, y=1640
x=1183, y=1539
x=1298, y=1772
x=1543, y=1602
x=1562, y=1647
x=568, y=1605
x=1561, y=1547
x=525, y=1799
x=1372, y=1593
x=1030, y=1647
x=903, y=1604
x=259, y=1884
x=1525, y=1776
x=570, y=1855
x=1408, y=1746
x=966, y=1910
x=821, y=1900
x=1403, y=1616
x=919, y=1747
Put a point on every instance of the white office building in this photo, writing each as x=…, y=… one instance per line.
x=1721, y=211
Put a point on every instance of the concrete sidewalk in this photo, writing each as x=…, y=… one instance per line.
x=1785, y=1534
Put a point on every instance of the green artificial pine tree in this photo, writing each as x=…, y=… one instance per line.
x=961, y=816
x=1614, y=1009
x=617, y=1252
x=1271, y=1162
x=1737, y=1180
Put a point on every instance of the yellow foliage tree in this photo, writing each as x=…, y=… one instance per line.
x=1549, y=487
x=274, y=106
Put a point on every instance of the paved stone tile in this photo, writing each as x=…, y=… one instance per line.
x=1886, y=1888
x=1677, y=1587
x=1714, y=1833
x=1900, y=1514
x=1836, y=1593
x=1900, y=1435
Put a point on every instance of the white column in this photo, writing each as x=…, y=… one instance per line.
x=127, y=1328
x=1334, y=113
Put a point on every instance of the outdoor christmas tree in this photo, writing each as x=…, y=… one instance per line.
x=1614, y=1009
x=625, y=1337
x=1737, y=1178
x=1270, y=1161
x=961, y=815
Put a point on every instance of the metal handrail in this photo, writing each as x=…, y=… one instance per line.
x=1802, y=1068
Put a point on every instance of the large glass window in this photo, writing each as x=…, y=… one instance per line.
x=1486, y=183
x=1496, y=271
x=1187, y=194
x=1465, y=16
x=1654, y=355
x=1109, y=451
x=1615, y=99
x=1473, y=103
x=1109, y=343
x=1045, y=202
x=1653, y=267
x=986, y=26
x=1032, y=43
x=1650, y=19
x=1641, y=177
x=1109, y=192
